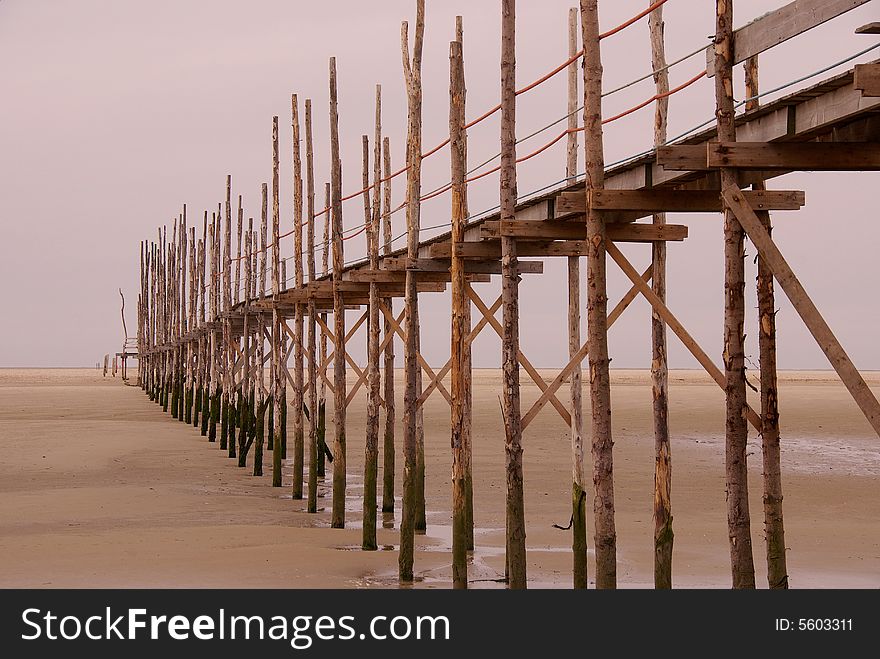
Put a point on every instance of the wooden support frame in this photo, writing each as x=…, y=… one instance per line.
x=663, y=200
x=781, y=25
x=795, y=156
x=673, y=323
x=805, y=307
x=523, y=360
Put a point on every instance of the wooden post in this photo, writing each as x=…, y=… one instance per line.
x=372, y=213
x=466, y=319
x=774, y=530
x=322, y=400
x=387, y=330
x=516, y=525
x=238, y=256
x=312, y=503
x=278, y=440
x=227, y=429
x=738, y=522
x=413, y=78
x=597, y=308
x=459, y=328
x=663, y=535
x=278, y=383
x=578, y=491
x=339, y=469
x=297, y=403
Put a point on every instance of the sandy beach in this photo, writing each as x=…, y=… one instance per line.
x=101, y=489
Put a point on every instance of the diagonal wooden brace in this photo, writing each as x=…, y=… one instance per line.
x=526, y=364
x=581, y=354
x=802, y=303
x=468, y=339
x=673, y=324
x=424, y=364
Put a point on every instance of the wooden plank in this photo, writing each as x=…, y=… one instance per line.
x=807, y=156
x=553, y=230
x=474, y=269
x=805, y=307
x=866, y=79
x=781, y=25
x=682, y=158
x=662, y=200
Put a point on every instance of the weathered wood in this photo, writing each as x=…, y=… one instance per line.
x=663, y=534
x=798, y=156
x=736, y=435
x=339, y=467
x=372, y=211
x=388, y=334
x=510, y=399
x=555, y=230
x=779, y=26
x=412, y=69
x=597, y=320
x=578, y=479
x=280, y=385
x=663, y=200
x=322, y=395
x=312, y=497
x=774, y=531
x=297, y=402
x=459, y=330
x=805, y=307
x=866, y=78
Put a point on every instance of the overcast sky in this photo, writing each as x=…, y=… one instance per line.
x=115, y=113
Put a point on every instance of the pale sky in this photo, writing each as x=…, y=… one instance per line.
x=115, y=113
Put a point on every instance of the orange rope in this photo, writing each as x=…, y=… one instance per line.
x=489, y=113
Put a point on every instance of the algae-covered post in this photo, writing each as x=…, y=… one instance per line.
x=597, y=303
x=413, y=78
x=578, y=491
x=738, y=521
x=387, y=330
x=312, y=502
x=774, y=530
x=460, y=327
x=339, y=475
x=516, y=523
x=297, y=404
x=663, y=535
x=371, y=443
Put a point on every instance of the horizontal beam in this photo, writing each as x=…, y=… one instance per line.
x=554, y=230
x=666, y=200
x=475, y=268
x=867, y=79
x=781, y=25
x=869, y=28
x=801, y=156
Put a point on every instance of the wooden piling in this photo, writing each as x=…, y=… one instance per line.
x=277, y=320
x=312, y=502
x=736, y=471
x=459, y=329
x=371, y=443
x=322, y=399
x=413, y=79
x=663, y=534
x=774, y=529
x=388, y=449
x=297, y=403
x=339, y=467
x=578, y=491
x=597, y=312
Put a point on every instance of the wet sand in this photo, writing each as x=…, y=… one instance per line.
x=99, y=488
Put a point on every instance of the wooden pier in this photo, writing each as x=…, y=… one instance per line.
x=222, y=346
